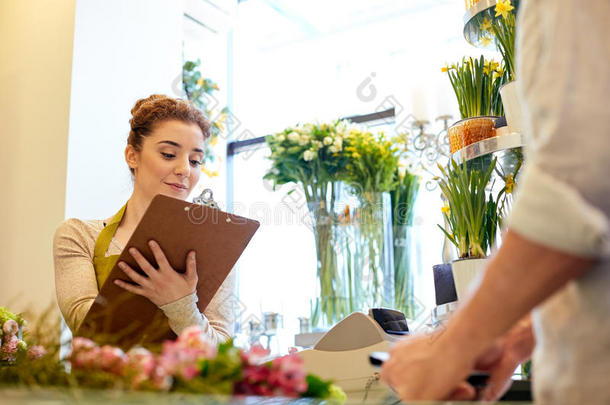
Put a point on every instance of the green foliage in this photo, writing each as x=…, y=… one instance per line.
x=200, y=91
x=5, y=315
x=504, y=33
x=403, y=197
x=476, y=83
x=318, y=388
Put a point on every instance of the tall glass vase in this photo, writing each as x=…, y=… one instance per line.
x=369, y=259
x=330, y=304
x=404, y=297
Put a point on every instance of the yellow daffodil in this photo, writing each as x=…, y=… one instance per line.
x=200, y=81
x=498, y=73
x=216, y=87
x=485, y=40
x=494, y=65
x=445, y=69
x=445, y=209
x=510, y=184
x=213, y=141
x=503, y=8
x=485, y=25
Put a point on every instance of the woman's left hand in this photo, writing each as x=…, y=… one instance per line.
x=163, y=285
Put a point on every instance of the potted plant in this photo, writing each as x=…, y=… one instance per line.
x=472, y=217
x=503, y=29
x=476, y=83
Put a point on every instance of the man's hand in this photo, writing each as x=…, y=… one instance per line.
x=422, y=367
x=502, y=359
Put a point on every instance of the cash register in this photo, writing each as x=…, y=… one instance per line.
x=342, y=354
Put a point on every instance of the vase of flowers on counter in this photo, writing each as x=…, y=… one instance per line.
x=313, y=156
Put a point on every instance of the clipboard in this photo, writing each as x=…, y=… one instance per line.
x=122, y=318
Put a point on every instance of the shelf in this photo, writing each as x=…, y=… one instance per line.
x=473, y=19
x=489, y=146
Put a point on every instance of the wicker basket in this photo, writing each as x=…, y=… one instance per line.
x=470, y=130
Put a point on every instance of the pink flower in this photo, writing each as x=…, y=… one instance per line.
x=85, y=354
x=287, y=374
x=10, y=328
x=182, y=357
x=255, y=355
x=36, y=352
x=112, y=359
x=193, y=338
x=141, y=363
x=81, y=343
x=8, y=351
x=161, y=380
x=255, y=374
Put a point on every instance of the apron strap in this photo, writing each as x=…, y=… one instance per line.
x=106, y=235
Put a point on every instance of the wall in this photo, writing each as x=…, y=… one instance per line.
x=71, y=70
x=123, y=51
x=36, y=51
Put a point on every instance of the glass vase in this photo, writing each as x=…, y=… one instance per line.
x=404, y=271
x=368, y=266
x=330, y=304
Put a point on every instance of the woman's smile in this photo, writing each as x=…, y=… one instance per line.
x=177, y=187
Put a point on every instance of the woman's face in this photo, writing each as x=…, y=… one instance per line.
x=169, y=161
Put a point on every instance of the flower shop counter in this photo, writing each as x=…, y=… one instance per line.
x=56, y=396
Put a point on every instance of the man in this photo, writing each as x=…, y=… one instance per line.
x=554, y=256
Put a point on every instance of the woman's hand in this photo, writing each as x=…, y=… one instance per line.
x=162, y=285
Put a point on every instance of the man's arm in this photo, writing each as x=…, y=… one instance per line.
x=520, y=276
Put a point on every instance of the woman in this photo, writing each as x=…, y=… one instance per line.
x=164, y=153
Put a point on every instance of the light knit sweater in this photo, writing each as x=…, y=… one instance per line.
x=76, y=284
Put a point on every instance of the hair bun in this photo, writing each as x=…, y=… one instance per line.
x=146, y=100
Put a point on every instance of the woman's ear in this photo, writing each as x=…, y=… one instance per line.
x=131, y=157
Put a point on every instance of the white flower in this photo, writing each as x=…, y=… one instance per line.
x=309, y=155
x=304, y=140
x=334, y=149
x=342, y=126
x=317, y=144
x=281, y=138
x=328, y=140
x=293, y=136
x=338, y=142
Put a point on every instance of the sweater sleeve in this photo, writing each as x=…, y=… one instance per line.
x=75, y=282
x=217, y=319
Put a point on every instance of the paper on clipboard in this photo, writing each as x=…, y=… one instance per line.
x=219, y=238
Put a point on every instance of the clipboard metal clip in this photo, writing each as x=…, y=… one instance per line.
x=206, y=198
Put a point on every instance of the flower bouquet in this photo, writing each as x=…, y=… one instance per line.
x=312, y=155
x=370, y=174
x=12, y=344
x=189, y=364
